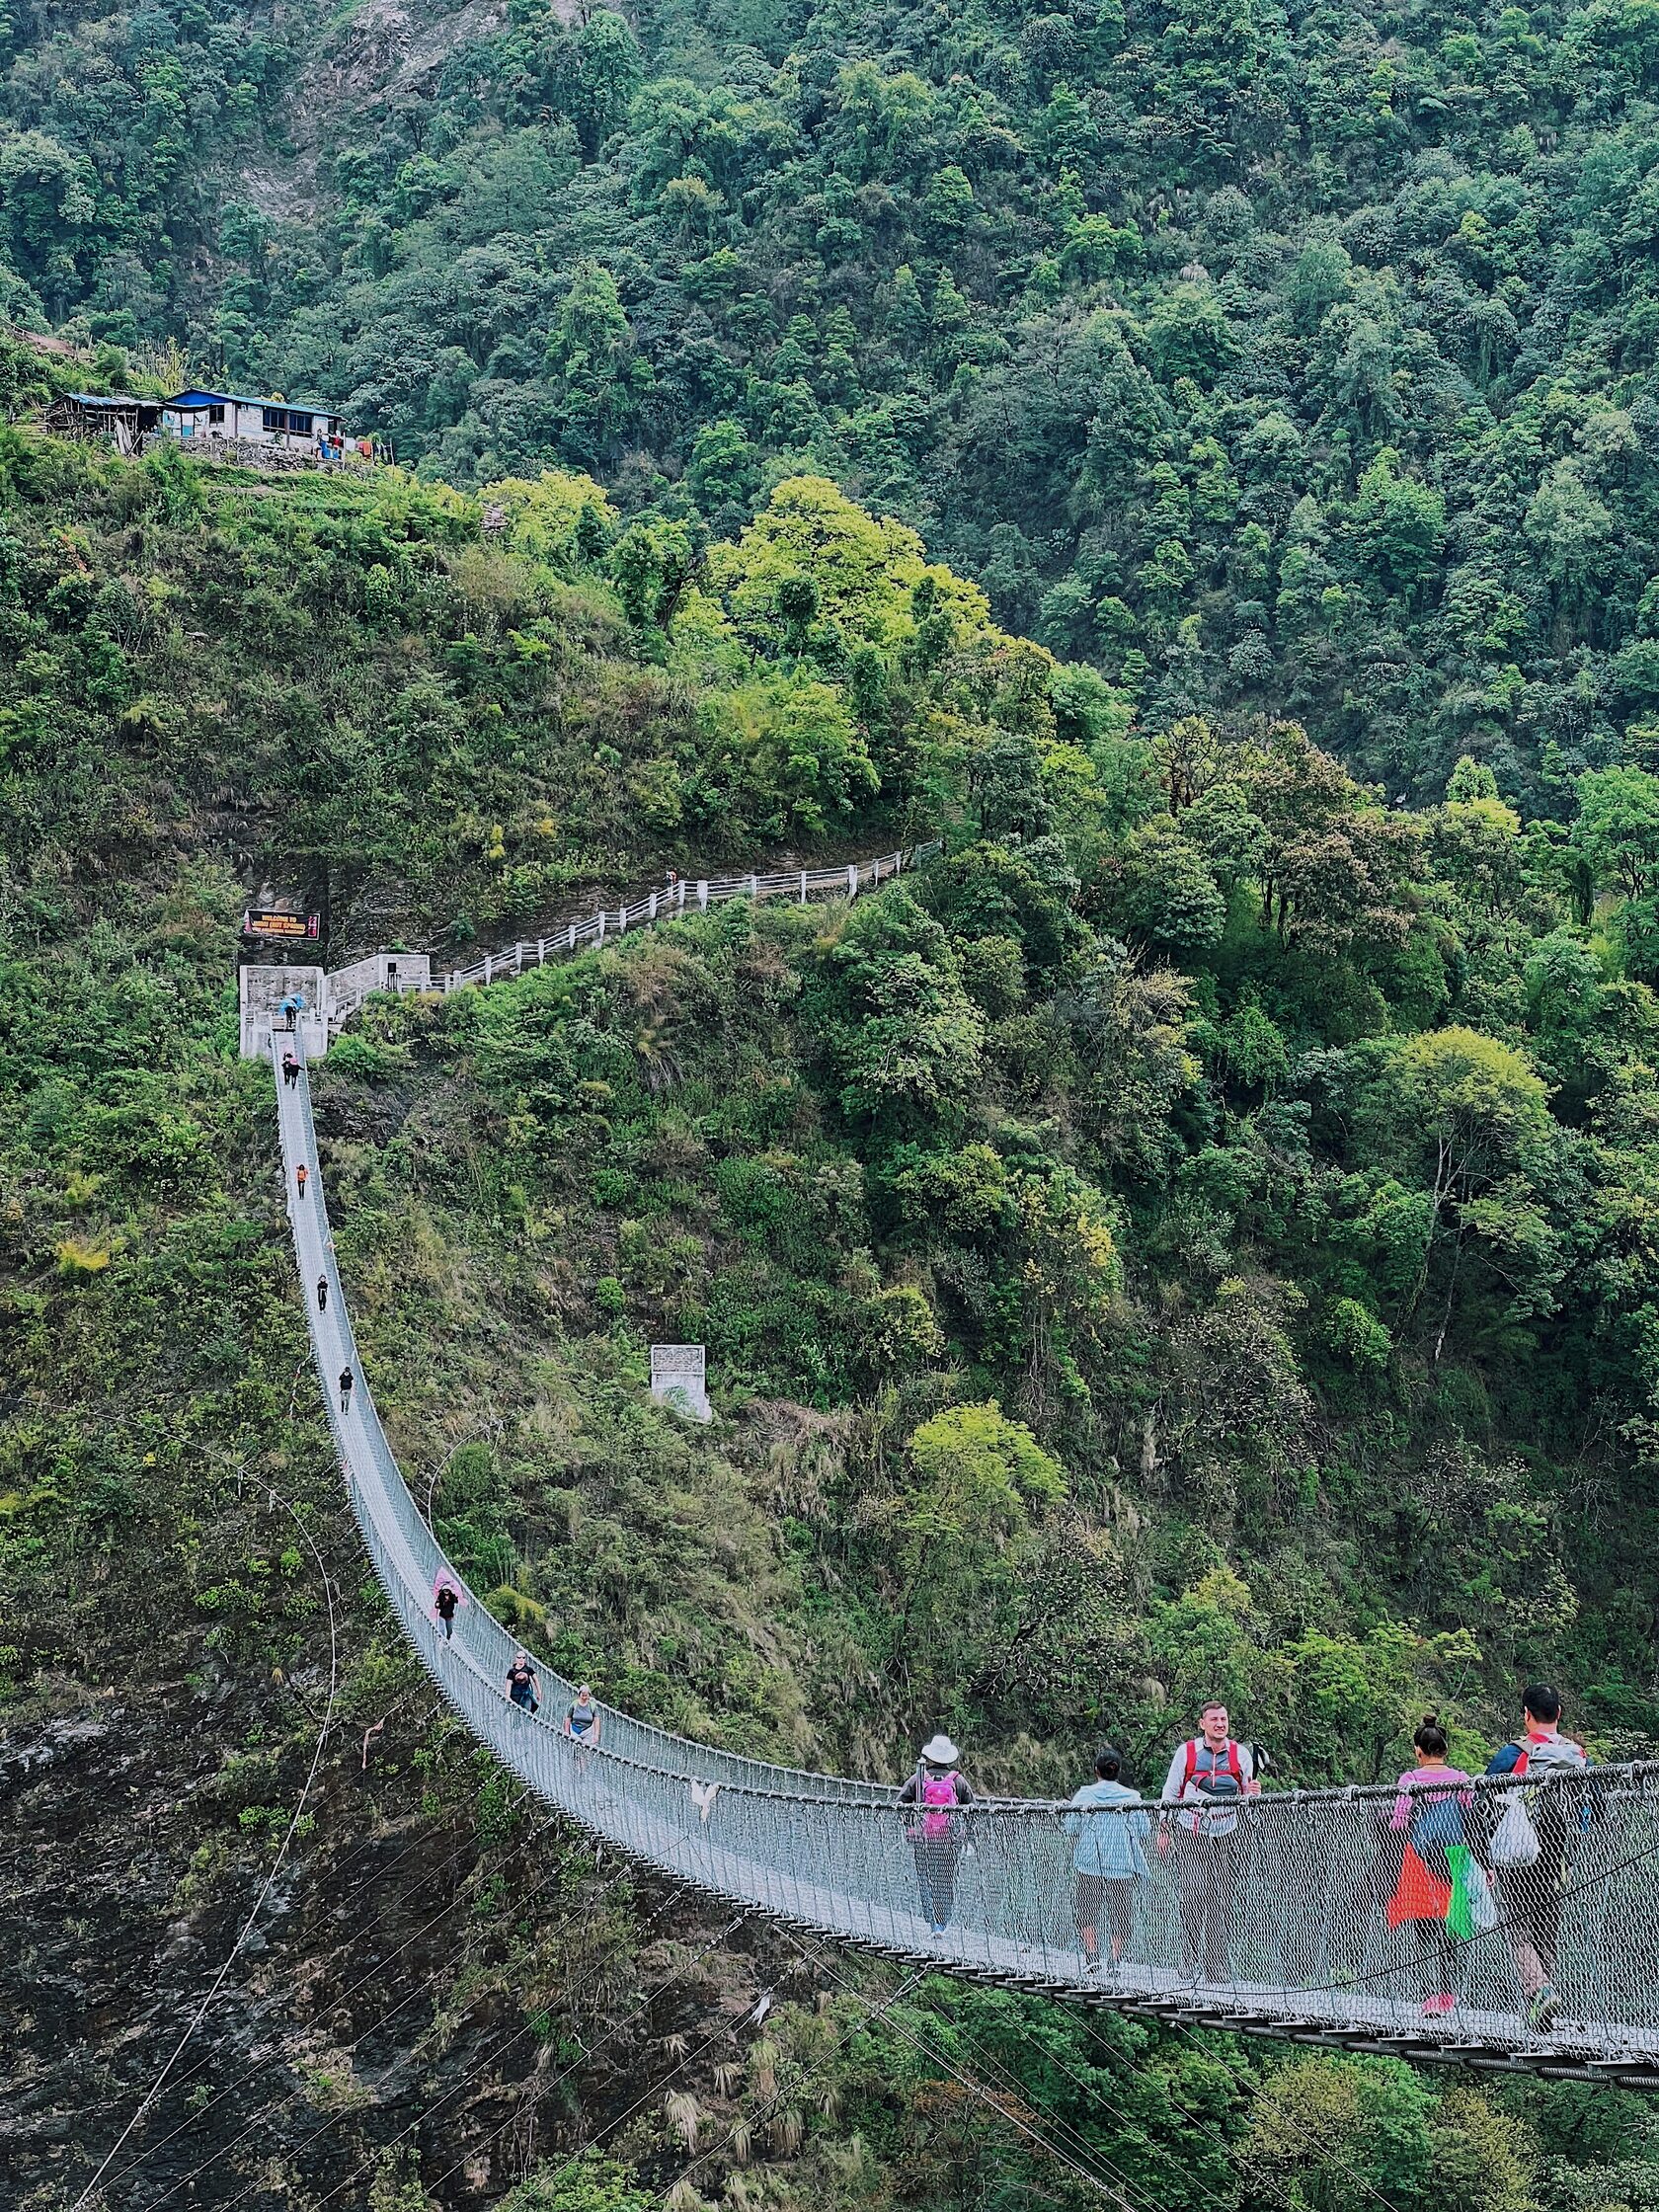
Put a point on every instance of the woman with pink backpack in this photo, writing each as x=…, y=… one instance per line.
x=935, y=1827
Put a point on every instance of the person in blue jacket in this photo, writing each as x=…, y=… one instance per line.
x=1110, y=1856
x=1529, y=1845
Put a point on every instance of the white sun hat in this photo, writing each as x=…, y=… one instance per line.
x=941, y=1752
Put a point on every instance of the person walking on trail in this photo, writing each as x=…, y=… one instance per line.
x=523, y=1687
x=290, y=1070
x=1442, y=1890
x=582, y=1718
x=1532, y=1828
x=347, y=1381
x=1208, y=1779
x=322, y=1294
x=1110, y=1856
x=301, y=1177
x=936, y=1830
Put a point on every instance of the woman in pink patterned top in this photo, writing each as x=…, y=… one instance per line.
x=1435, y=1858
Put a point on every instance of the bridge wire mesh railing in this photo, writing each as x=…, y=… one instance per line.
x=1299, y=1890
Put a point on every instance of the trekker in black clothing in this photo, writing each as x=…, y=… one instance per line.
x=322, y=1294
x=522, y=1685
x=290, y=1070
x=443, y=1605
x=346, y=1380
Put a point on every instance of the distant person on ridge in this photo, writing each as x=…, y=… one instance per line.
x=1529, y=1847
x=1208, y=1779
x=1439, y=1876
x=936, y=1831
x=1110, y=1855
x=522, y=1685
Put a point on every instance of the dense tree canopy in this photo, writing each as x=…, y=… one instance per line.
x=1270, y=363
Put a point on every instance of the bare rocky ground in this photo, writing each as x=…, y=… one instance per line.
x=433, y=1983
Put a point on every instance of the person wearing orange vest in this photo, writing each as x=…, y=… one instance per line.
x=1208, y=1779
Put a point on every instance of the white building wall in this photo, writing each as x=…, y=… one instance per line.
x=260, y=990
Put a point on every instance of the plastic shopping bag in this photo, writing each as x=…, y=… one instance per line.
x=1516, y=1840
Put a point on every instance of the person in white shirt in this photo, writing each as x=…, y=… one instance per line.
x=1210, y=1777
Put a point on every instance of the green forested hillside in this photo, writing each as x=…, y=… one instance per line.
x=1293, y=362
x=1196, y=1236
x=1193, y=1234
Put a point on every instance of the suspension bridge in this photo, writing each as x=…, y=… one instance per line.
x=1310, y=1953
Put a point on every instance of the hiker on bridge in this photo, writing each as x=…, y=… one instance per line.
x=583, y=1723
x=322, y=1294
x=1531, y=1831
x=447, y=1599
x=1442, y=1890
x=936, y=1830
x=1209, y=1778
x=348, y=1383
x=290, y=1070
x=523, y=1687
x=1110, y=1856
x=301, y=1177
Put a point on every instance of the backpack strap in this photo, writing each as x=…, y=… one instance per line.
x=1234, y=1767
x=1192, y=1764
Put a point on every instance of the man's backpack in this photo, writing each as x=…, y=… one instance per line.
x=1219, y=1782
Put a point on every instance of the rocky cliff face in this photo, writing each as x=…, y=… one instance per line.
x=435, y=1968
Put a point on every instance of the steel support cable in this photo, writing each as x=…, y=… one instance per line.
x=781, y=2099
x=246, y=1929
x=338, y=1951
x=875, y=2010
x=185, y=2127
x=1016, y=2087
x=1161, y=2089
x=597, y=2135
x=1091, y=2089
x=1253, y=2089
x=280, y=2103
x=562, y=2075
x=814, y=1954
x=54, y=1887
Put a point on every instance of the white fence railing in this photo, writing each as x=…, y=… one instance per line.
x=681, y=897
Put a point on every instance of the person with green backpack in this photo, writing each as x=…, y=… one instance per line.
x=1442, y=1887
x=1529, y=1847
